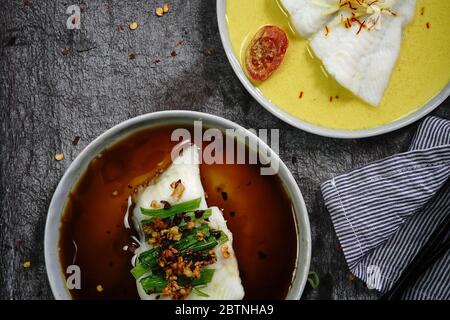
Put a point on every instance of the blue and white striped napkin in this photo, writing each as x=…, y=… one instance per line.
x=385, y=212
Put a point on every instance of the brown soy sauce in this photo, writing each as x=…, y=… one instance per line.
x=257, y=209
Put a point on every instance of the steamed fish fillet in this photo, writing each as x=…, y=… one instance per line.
x=361, y=62
x=309, y=16
x=226, y=282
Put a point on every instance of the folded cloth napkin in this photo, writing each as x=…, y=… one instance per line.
x=385, y=212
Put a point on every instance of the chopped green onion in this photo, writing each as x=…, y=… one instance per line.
x=222, y=239
x=147, y=261
x=139, y=270
x=205, y=277
x=200, y=293
x=190, y=239
x=173, y=210
x=313, y=279
x=206, y=214
x=209, y=244
x=149, y=258
x=153, y=283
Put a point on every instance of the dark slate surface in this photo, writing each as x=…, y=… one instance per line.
x=47, y=98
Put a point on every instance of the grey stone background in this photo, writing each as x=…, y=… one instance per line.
x=56, y=84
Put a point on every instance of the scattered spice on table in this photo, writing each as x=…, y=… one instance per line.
x=173, y=53
x=132, y=56
x=351, y=277
x=133, y=25
x=76, y=140
x=300, y=95
x=166, y=7
x=65, y=52
x=428, y=25
x=159, y=12
x=59, y=156
x=208, y=52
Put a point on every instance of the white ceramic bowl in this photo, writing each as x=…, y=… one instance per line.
x=306, y=126
x=119, y=132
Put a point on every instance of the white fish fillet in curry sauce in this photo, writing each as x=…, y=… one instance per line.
x=180, y=183
x=358, y=41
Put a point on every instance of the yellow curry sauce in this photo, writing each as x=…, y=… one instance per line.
x=302, y=88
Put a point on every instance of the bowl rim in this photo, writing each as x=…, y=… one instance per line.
x=421, y=112
x=54, y=270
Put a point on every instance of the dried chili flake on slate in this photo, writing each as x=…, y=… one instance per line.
x=159, y=11
x=133, y=25
x=208, y=52
x=132, y=56
x=65, y=52
x=59, y=156
x=173, y=53
x=76, y=140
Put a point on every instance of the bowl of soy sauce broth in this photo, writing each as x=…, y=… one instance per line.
x=266, y=213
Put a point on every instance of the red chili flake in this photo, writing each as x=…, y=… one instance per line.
x=337, y=97
x=173, y=53
x=301, y=94
x=132, y=56
x=74, y=20
x=76, y=140
x=331, y=98
x=428, y=25
x=224, y=195
x=65, y=52
x=422, y=11
x=156, y=61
